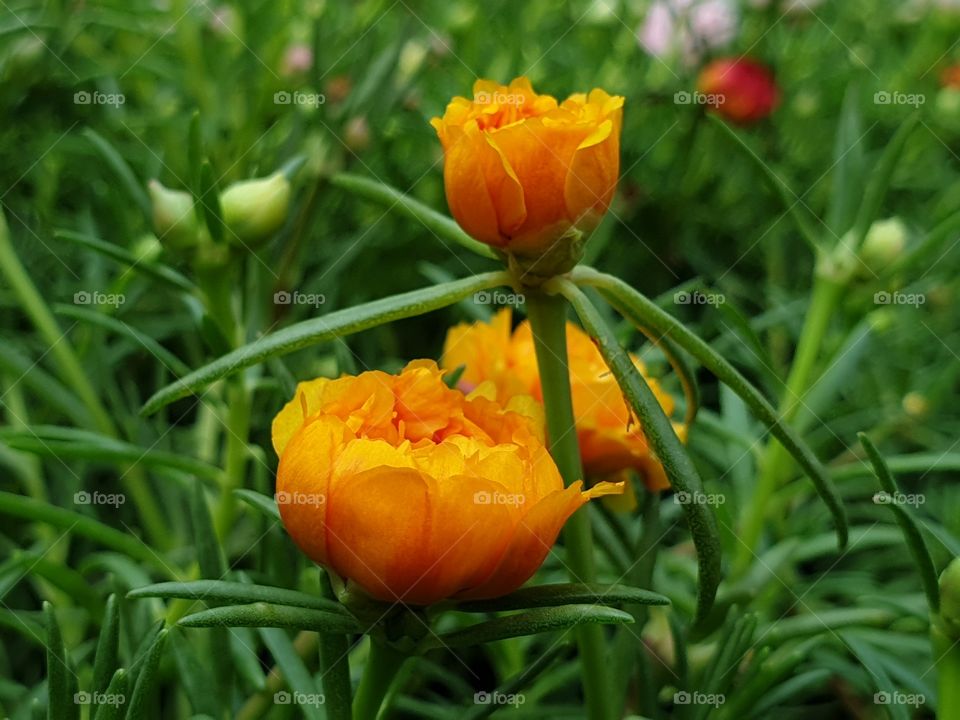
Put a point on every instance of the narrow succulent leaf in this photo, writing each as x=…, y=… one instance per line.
x=266, y=615
x=223, y=591
x=147, y=679
x=108, y=644
x=566, y=594
x=260, y=502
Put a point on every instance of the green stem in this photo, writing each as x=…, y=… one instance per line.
x=826, y=294
x=133, y=478
x=334, y=664
x=235, y=464
x=383, y=664
x=548, y=319
x=947, y=654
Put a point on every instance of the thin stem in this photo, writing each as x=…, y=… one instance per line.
x=334, y=665
x=826, y=294
x=235, y=464
x=383, y=664
x=947, y=654
x=548, y=319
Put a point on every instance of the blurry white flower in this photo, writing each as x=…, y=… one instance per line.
x=297, y=58
x=687, y=28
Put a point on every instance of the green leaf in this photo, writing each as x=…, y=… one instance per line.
x=237, y=593
x=443, y=227
x=873, y=664
x=847, y=175
x=43, y=384
x=147, y=679
x=263, y=614
x=908, y=525
x=295, y=673
x=565, y=594
x=108, y=642
x=317, y=330
x=259, y=501
x=128, y=180
x=150, y=268
x=170, y=361
x=658, y=430
x=209, y=202
x=879, y=181
x=79, y=524
x=478, y=711
x=205, y=543
x=59, y=673
x=530, y=623
x=66, y=442
x=642, y=312
x=792, y=202
x=117, y=689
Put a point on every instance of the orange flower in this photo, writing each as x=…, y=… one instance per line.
x=416, y=492
x=610, y=438
x=522, y=171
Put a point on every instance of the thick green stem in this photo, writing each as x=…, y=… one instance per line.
x=775, y=462
x=548, y=319
x=133, y=478
x=334, y=665
x=383, y=664
x=947, y=654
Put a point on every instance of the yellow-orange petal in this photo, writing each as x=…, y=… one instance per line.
x=290, y=419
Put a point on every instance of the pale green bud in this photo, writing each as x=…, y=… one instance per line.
x=884, y=243
x=174, y=220
x=950, y=598
x=254, y=210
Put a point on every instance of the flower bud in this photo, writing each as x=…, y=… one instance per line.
x=950, y=598
x=174, y=219
x=253, y=210
x=743, y=90
x=884, y=243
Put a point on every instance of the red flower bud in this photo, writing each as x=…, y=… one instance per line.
x=741, y=90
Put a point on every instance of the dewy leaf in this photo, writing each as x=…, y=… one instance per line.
x=530, y=623
x=890, y=496
x=441, y=225
x=265, y=615
x=147, y=678
x=59, y=686
x=105, y=660
x=566, y=594
x=238, y=593
x=641, y=311
x=317, y=330
x=658, y=430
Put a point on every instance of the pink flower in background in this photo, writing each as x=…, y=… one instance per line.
x=687, y=28
x=297, y=59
